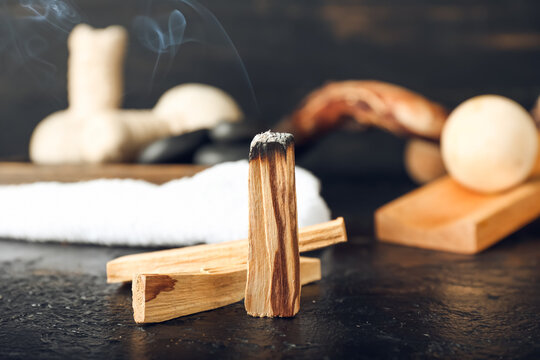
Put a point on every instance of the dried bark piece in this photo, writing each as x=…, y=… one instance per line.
x=376, y=103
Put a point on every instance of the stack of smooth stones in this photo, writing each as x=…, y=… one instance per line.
x=227, y=141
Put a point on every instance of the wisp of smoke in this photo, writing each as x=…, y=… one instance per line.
x=29, y=31
x=189, y=21
x=154, y=38
x=59, y=14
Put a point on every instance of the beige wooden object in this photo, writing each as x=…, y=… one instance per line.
x=94, y=130
x=116, y=136
x=273, y=280
x=96, y=68
x=444, y=215
x=423, y=160
x=193, y=258
x=489, y=143
x=161, y=297
x=189, y=107
x=56, y=139
x=95, y=84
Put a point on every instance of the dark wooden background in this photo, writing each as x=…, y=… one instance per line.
x=447, y=50
x=375, y=300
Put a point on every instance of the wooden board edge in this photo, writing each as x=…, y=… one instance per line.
x=408, y=236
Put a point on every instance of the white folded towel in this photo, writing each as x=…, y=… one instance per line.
x=211, y=206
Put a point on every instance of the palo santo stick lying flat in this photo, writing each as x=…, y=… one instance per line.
x=161, y=297
x=193, y=258
x=273, y=276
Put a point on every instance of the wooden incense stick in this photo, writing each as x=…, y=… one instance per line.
x=161, y=297
x=193, y=258
x=273, y=275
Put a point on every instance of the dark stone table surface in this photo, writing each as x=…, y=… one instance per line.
x=375, y=301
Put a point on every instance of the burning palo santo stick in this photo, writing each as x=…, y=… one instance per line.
x=161, y=297
x=273, y=276
x=193, y=258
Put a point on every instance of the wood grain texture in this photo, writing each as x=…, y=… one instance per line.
x=443, y=215
x=12, y=173
x=193, y=258
x=273, y=279
x=193, y=292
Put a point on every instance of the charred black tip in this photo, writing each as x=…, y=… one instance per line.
x=268, y=141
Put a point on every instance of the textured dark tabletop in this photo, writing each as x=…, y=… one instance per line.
x=374, y=301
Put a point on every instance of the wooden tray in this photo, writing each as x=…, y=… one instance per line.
x=24, y=172
x=446, y=216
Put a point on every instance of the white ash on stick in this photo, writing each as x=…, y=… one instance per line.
x=273, y=278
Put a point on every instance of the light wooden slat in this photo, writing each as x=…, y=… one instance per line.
x=193, y=258
x=443, y=215
x=161, y=297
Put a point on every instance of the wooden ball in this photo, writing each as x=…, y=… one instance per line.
x=489, y=143
x=190, y=107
